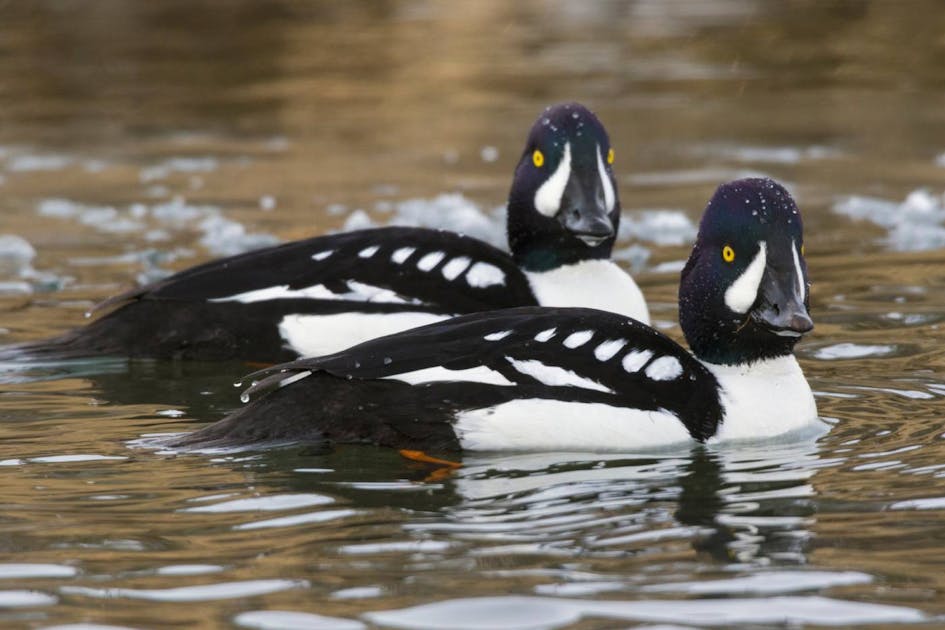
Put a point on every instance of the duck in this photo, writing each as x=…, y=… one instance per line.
x=323, y=294
x=573, y=379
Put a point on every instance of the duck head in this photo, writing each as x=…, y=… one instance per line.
x=563, y=206
x=744, y=293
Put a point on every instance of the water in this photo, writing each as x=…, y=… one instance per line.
x=136, y=139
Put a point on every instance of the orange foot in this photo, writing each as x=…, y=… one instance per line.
x=420, y=456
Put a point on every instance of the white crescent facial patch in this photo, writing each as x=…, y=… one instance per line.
x=548, y=196
x=744, y=291
x=606, y=186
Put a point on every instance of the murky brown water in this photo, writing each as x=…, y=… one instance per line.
x=136, y=138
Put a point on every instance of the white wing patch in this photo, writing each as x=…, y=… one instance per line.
x=402, y=254
x=555, y=425
x=665, y=369
x=454, y=267
x=744, y=291
x=482, y=275
x=367, y=252
x=323, y=255
x=545, y=335
x=609, y=348
x=430, y=261
x=496, y=336
x=554, y=376
x=578, y=339
x=548, y=196
x=636, y=359
x=609, y=197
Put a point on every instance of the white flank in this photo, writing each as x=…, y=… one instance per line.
x=402, y=254
x=545, y=335
x=549, y=425
x=636, y=359
x=548, y=196
x=609, y=348
x=555, y=376
x=482, y=275
x=597, y=284
x=430, y=261
x=764, y=399
x=609, y=197
x=478, y=374
x=455, y=267
x=744, y=291
x=496, y=336
x=665, y=369
x=323, y=255
x=801, y=288
x=578, y=339
x=367, y=252
x=315, y=335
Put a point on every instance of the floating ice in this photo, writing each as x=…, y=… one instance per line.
x=769, y=154
x=16, y=256
x=189, y=569
x=661, y=227
x=409, y=546
x=358, y=592
x=283, y=620
x=265, y=504
x=200, y=593
x=852, y=351
x=298, y=519
x=450, y=211
x=32, y=163
x=514, y=612
x=180, y=165
x=768, y=582
x=23, y=599
x=27, y=571
x=914, y=224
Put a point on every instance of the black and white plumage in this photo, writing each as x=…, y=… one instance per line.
x=576, y=379
x=329, y=292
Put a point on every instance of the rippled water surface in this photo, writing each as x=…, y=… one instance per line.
x=141, y=138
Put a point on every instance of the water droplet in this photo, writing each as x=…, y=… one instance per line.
x=357, y=364
x=238, y=384
x=575, y=115
x=88, y=314
x=244, y=398
x=388, y=360
x=546, y=121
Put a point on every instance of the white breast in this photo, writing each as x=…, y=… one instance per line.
x=764, y=400
x=592, y=284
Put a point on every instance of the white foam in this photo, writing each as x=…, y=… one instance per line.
x=286, y=620
x=914, y=224
x=276, y=502
x=852, y=351
x=199, y=593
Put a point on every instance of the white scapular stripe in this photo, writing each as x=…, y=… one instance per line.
x=664, y=369
x=456, y=266
x=554, y=376
x=744, y=291
x=599, y=284
x=555, y=425
x=801, y=287
x=496, y=336
x=402, y=254
x=367, y=252
x=548, y=196
x=323, y=255
x=478, y=374
x=609, y=348
x=608, y=188
x=636, y=359
x=545, y=335
x=430, y=261
x=578, y=339
x=358, y=292
x=482, y=275
x=315, y=335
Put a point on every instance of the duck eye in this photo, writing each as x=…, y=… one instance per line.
x=538, y=158
x=802, y=249
x=610, y=156
x=728, y=254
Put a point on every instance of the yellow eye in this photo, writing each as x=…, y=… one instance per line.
x=728, y=254
x=802, y=249
x=538, y=158
x=610, y=156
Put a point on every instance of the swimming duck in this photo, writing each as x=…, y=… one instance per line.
x=323, y=294
x=574, y=378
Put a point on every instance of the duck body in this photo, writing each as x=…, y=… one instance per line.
x=538, y=378
x=323, y=294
